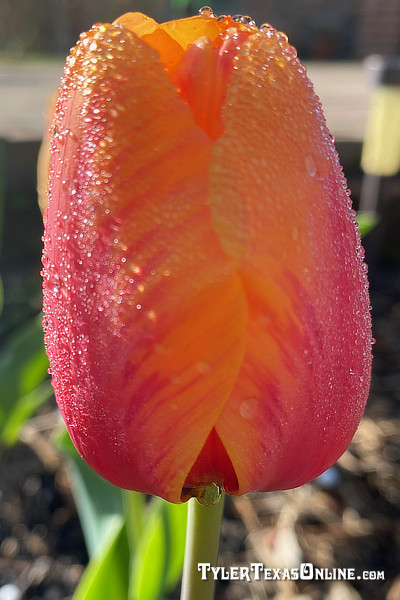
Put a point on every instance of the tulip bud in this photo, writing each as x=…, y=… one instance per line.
x=206, y=301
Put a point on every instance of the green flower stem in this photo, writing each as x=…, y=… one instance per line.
x=202, y=542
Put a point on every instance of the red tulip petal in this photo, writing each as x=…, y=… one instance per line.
x=146, y=314
x=202, y=77
x=280, y=207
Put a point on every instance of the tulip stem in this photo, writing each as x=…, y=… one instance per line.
x=202, y=542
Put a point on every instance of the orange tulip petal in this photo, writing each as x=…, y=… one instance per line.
x=145, y=322
x=169, y=51
x=137, y=23
x=283, y=216
x=186, y=31
x=205, y=293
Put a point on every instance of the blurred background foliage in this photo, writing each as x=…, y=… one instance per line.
x=320, y=29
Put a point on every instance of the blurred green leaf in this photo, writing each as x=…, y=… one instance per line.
x=1, y=295
x=367, y=220
x=98, y=502
x=149, y=561
x=23, y=370
x=107, y=574
x=179, y=4
x=158, y=560
x=24, y=408
x=175, y=519
x=2, y=185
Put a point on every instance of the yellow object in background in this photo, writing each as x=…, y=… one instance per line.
x=381, y=150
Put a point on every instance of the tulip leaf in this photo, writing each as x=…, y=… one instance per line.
x=98, y=502
x=2, y=186
x=23, y=373
x=107, y=574
x=148, y=565
x=1, y=295
x=23, y=409
x=367, y=220
x=180, y=4
x=158, y=560
x=176, y=517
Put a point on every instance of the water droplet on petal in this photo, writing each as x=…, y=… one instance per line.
x=248, y=408
x=206, y=11
x=203, y=367
x=310, y=165
x=267, y=29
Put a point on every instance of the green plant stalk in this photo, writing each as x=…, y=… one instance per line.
x=202, y=542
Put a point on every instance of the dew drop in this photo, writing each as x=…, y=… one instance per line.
x=267, y=29
x=310, y=165
x=292, y=52
x=244, y=20
x=248, y=408
x=203, y=367
x=160, y=348
x=206, y=11
x=282, y=38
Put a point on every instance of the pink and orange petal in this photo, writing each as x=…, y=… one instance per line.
x=205, y=294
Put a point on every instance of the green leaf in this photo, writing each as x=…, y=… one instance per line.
x=367, y=220
x=23, y=409
x=107, y=574
x=180, y=4
x=1, y=295
x=148, y=568
x=2, y=186
x=98, y=502
x=23, y=371
x=158, y=560
x=175, y=518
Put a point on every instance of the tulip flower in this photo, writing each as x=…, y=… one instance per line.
x=206, y=301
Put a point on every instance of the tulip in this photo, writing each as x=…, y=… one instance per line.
x=206, y=301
